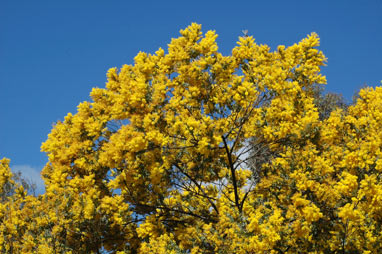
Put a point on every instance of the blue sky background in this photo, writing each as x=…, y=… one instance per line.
x=53, y=52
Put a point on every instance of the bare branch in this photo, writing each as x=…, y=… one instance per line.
x=234, y=181
x=199, y=187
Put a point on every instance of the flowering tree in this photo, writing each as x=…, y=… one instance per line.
x=163, y=159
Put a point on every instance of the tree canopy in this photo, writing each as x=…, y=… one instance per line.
x=191, y=151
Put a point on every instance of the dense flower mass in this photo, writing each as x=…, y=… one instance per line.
x=190, y=151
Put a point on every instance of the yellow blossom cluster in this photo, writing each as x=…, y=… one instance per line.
x=164, y=159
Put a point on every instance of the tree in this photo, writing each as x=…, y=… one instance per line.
x=191, y=151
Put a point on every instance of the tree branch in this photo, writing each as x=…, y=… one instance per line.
x=199, y=187
x=234, y=181
x=177, y=211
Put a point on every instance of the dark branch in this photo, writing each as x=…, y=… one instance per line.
x=177, y=211
x=199, y=187
x=234, y=181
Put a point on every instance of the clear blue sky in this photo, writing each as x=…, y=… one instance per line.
x=53, y=52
